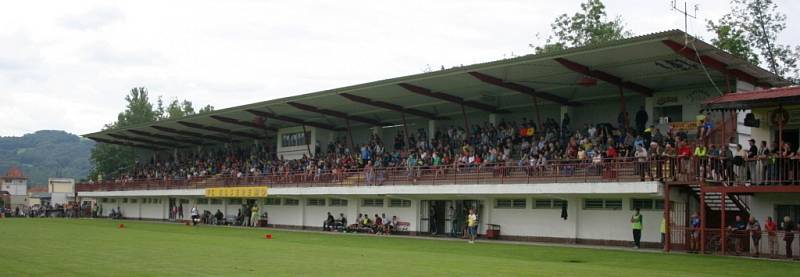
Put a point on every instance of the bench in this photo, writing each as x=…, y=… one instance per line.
x=401, y=226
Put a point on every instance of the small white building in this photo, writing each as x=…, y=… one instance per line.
x=16, y=185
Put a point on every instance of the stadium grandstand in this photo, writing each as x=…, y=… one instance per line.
x=556, y=147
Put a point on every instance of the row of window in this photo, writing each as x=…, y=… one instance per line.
x=132, y=200
x=588, y=204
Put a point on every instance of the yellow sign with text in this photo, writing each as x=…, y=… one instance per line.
x=236, y=192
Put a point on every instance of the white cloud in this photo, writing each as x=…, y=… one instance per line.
x=70, y=65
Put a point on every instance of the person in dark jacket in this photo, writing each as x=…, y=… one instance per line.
x=789, y=228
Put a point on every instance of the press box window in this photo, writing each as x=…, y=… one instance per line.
x=400, y=203
x=510, y=203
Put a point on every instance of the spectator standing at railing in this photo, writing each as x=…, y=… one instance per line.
x=753, y=175
x=739, y=164
x=641, y=162
x=738, y=229
x=772, y=236
x=755, y=234
x=701, y=154
x=789, y=228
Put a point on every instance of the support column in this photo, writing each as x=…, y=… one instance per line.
x=405, y=131
x=649, y=107
x=722, y=226
x=431, y=130
x=306, y=138
x=493, y=119
x=702, y=221
x=466, y=120
x=538, y=114
x=667, y=233
x=622, y=108
x=567, y=110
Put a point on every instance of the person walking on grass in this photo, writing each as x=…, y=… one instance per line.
x=472, y=224
x=636, y=224
x=195, y=216
x=254, y=216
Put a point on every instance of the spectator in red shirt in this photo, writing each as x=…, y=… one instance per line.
x=772, y=236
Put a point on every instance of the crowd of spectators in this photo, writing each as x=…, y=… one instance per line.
x=510, y=143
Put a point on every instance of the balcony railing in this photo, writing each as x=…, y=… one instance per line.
x=691, y=170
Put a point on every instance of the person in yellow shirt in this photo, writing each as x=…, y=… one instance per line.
x=636, y=225
x=472, y=224
x=254, y=217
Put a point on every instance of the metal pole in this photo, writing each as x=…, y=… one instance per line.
x=350, y=134
x=306, y=138
x=622, y=109
x=466, y=121
x=405, y=131
x=722, y=226
x=702, y=220
x=538, y=116
x=667, y=234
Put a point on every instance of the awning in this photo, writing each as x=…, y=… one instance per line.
x=747, y=100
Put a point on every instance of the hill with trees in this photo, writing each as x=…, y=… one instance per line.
x=46, y=153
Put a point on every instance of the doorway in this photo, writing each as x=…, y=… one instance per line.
x=792, y=136
x=437, y=219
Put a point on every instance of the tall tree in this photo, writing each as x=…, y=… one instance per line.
x=109, y=159
x=207, y=108
x=588, y=26
x=751, y=30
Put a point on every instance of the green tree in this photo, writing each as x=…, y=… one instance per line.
x=206, y=109
x=751, y=30
x=110, y=159
x=588, y=26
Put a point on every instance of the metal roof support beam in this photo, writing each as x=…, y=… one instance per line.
x=159, y=136
x=606, y=77
x=192, y=134
x=143, y=140
x=522, y=89
x=126, y=144
x=292, y=120
x=219, y=130
x=338, y=114
x=391, y=107
x=715, y=64
x=451, y=98
x=244, y=123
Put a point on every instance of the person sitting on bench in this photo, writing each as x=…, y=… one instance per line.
x=341, y=222
x=378, y=226
x=387, y=224
x=328, y=223
x=218, y=217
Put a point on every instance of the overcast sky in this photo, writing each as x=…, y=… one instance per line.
x=67, y=65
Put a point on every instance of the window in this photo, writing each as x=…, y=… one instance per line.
x=184, y=201
x=316, y=202
x=235, y=201
x=372, y=203
x=113, y=200
x=400, y=203
x=134, y=200
x=510, y=203
x=291, y=202
x=644, y=204
x=602, y=204
x=216, y=201
x=338, y=202
x=272, y=201
x=124, y=200
x=549, y=203
x=202, y=201
x=294, y=139
x=104, y=200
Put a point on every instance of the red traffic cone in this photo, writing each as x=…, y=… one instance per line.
x=187, y=223
x=121, y=226
x=268, y=236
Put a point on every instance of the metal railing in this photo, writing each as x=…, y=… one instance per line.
x=727, y=241
x=562, y=171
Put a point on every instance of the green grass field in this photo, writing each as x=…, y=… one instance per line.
x=99, y=247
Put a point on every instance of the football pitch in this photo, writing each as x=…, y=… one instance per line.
x=99, y=247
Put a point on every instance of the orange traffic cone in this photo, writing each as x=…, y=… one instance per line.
x=121, y=226
x=268, y=236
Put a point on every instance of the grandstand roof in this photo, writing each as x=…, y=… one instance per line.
x=755, y=99
x=643, y=65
